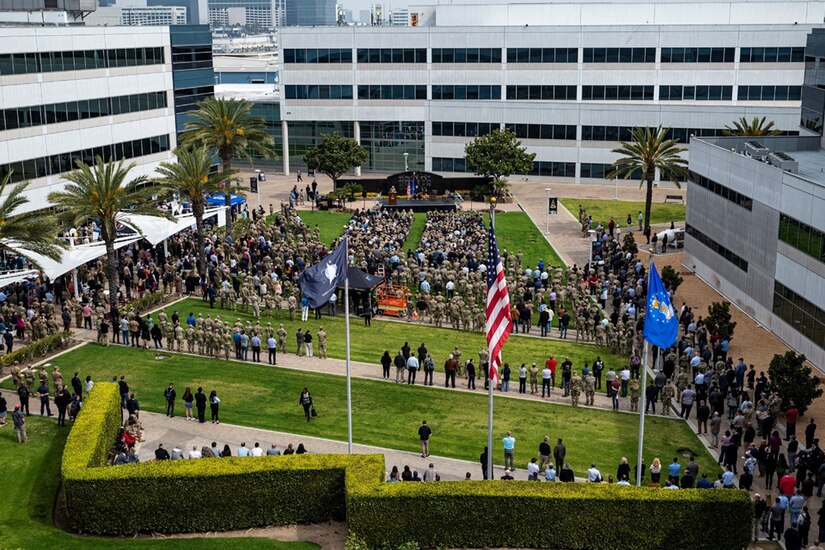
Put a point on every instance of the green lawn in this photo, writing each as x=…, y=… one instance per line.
x=331, y=224
x=516, y=231
x=368, y=343
x=387, y=414
x=603, y=210
x=416, y=231
x=30, y=482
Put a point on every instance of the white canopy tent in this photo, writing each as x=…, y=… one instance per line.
x=74, y=256
x=156, y=230
x=15, y=276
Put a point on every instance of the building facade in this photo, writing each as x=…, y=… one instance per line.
x=260, y=14
x=755, y=230
x=75, y=93
x=153, y=15
x=570, y=92
x=308, y=13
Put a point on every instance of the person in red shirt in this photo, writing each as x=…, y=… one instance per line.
x=787, y=484
x=791, y=416
x=551, y=364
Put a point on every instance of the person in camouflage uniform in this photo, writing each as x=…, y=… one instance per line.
x=634, y=395
x=575, y=389
x=668, y=393
x=589, y=388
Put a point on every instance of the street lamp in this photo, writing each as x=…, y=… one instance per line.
x=592, y=234
x=406, y=166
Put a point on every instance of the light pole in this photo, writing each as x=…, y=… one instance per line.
x=547, y=192
x=592, y=234
x=406, y=166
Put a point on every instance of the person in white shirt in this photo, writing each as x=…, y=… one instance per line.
x=623, y=481
x=593, y=474
x=256, y=450
x=195, y=453
x=624, y=375
x=533, y=470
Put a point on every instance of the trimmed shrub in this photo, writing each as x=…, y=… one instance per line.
x=561, y=516
x=236, y=493
x=37, y=349
x=147, y=301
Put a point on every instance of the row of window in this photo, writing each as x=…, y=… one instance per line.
x=187, y=99
x=65, y=162
x=601, y=170
x=544, y=55
x=716, y=247
x=540, y=168
x=617, y=93
x=318, y=91
x=37, y=115
x=772, y=55
x=802, y=315
x=319, y=55
x=724, y=192
x=464, y=92
x=802, y=236
x=769, y=93
x=461, y=129
x=695, y=93
x=446, y=164
x=698, y=55
x=620, y=55
x=543, y=131
x=191, y=57
x=466, y=55
x=47, y=62
x=546, y=93
x=556, y=169
x=395, y=91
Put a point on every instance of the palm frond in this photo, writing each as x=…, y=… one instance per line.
x=27, y=230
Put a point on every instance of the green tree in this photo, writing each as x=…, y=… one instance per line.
x=718, y=321
x=498, y=155
x=650, y=150
x=791, y=378
x=629, y=244
x=190, y=177
x=756, y=127
x=672, y=279
x=335, y=155
x=227, y=127
x=102, y=194
x=26, y=231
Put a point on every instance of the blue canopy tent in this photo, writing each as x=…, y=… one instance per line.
x=219, y=199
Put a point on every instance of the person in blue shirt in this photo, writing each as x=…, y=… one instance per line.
x=236, y=339
x=674, y=470
x=704, y=483
x=727, y=478
x=550, y=473
x=243, y=450
x=191, y=320
x=509, y=449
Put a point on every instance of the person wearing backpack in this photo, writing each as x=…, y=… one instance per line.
x=19, y=424
x=23, y=396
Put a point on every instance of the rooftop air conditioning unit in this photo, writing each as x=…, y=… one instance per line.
x=756, y=150
x=784, y=162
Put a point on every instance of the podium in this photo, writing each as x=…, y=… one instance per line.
x=393, y=199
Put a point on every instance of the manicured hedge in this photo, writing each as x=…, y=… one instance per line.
x=237, y=493
x=513, y=514
x=37, y=349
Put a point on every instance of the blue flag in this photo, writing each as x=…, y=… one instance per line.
x=320, y=281
x=661, y=322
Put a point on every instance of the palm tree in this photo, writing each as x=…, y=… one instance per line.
x=190, y=176
x=28, y=231
x=756, y=127
x=102, y=194
x=227, y=127
x=649, y=151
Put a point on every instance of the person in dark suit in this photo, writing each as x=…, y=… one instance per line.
x=200, y=403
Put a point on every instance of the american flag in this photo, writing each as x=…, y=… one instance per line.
x=499, y=324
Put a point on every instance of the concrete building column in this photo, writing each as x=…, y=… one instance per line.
x=356, y=132
x=285, y=146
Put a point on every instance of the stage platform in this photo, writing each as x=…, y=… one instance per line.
x=421, y=205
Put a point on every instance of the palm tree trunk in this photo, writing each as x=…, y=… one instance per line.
x=227, y=192
x=648, y=203
x=111, y=270
x=197, y=210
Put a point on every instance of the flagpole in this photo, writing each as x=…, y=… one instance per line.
x=643, y=388
x=489, y=380
x=346, y=325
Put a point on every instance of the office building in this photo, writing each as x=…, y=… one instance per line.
x=138, y=16
x=308, y=13
x=755, y=230
x=400, y=17
x=197, y=11
x=259, y=14
x=77, y=92
x=570, y=90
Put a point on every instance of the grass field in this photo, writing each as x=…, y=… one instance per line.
x=416, y=231
x=603, y=210
x=30, y=482
x=516, y=231
x=367, y=344
x=331, y=224
x=387, y=414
